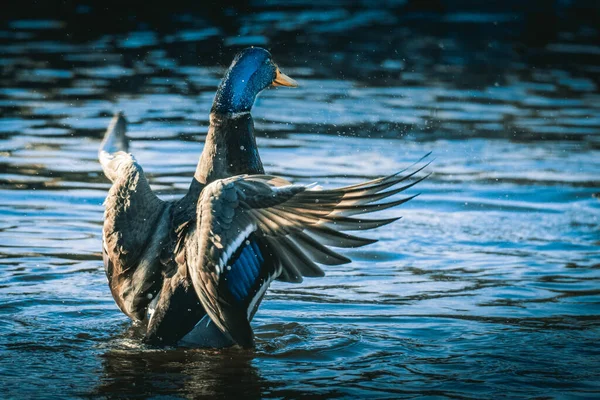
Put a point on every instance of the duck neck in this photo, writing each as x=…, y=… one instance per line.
x=236, y=93
x=230, y=148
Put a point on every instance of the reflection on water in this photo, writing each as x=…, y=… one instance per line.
x=186, y=372
x=487, y=287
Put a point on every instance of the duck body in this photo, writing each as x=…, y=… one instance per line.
x=195, y=270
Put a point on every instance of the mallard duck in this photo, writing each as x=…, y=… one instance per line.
x=195, y=270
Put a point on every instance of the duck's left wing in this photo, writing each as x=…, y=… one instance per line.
x=256, y=228
x=136, y=225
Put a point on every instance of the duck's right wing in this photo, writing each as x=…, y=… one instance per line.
x=257, y=228
x=135, y=228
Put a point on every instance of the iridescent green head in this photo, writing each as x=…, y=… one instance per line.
x=251, y=71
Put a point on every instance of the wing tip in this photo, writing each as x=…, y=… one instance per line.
x=241, y=333
x=343, y=260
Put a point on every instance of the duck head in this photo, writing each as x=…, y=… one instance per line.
x=251, y=71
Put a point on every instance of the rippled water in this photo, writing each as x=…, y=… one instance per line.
x=488, y=286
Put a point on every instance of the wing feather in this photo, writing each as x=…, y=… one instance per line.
x=295, y=226
x=135, y=226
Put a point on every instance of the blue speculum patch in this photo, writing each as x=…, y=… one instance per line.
x=244, y=271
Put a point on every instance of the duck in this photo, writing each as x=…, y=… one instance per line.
x=194, y=271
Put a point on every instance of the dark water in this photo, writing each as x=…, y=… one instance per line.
x=489, y=285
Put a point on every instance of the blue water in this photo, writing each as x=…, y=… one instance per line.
x=487, y=287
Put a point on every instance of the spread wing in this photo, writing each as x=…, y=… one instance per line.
x=135, y=226
x=253, y=229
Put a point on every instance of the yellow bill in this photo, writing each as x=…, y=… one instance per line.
x=282, y=79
